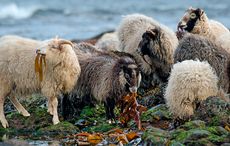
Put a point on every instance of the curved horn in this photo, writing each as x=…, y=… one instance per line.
x=60, y=42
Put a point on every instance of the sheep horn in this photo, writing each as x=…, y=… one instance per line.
x=60, y=42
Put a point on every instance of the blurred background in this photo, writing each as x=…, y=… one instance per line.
x=80, y=19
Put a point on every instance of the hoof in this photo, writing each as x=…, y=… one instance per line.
x=26, y=114
x=5, y=124
x=110, y=121
x=56, y=121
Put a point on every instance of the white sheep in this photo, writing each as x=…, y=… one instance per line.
x=190, y=82
x=18, y=77
x=108, y=42
x=224, y=41
x=196, y=21
x=151, y=43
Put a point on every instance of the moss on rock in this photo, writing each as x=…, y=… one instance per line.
x=159, y=112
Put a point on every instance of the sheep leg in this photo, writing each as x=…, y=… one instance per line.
x=50, y=107
x=108, y=116
x=112, y=106
x=109, y=108
x=2, y=115
x=54, y=104
x=19, y=107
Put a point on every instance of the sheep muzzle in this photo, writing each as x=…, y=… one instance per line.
x=133, y=89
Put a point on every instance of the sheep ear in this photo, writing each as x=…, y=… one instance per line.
x=200, y=12
x=152, y=33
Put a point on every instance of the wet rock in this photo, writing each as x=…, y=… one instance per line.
x=199, y=142
x=175, y=143
x=200, y=135
x=159, y=112
x=100, y=127
x=193, y=124
x=155, y=136
x=190, y=135
x=151, y=97
x=197, y=134
x=60, y=129
x=214, y=111
x=38, y=118
x=217, y=130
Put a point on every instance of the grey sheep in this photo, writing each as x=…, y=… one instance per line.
x=194, y=46
x=105, y=77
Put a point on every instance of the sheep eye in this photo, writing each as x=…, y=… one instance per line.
x=193, y=16
x=126, y=75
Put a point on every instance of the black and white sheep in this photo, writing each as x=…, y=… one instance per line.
x=196, y=21
x=151, y=43
x=18, y=76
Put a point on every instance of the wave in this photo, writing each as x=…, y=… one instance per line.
x=14, y=11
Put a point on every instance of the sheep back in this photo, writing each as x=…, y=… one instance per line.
x=194, y=47
x=17, y=66
x=189, y=82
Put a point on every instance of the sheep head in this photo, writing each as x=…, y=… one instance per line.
x=191, y=20
x=129, y=74
x=52, y=51
x=156, y=50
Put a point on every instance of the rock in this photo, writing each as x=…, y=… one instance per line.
x=175, y=143
x=60, y=129
x=100, y=127
x=200, y=135
x=155, y=136
x=151, y=96
x=196, y=134
x=193, y=124
x=217, y=130
x=214, y=111
x=199, y=142
x=159, y=112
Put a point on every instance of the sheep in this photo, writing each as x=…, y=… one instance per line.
x=151, y=43
x=19, y=77
x=194, y=46
x=105, y=77
x=189, y=83
x=224, y=41
x=196, y=21
x=108, y=42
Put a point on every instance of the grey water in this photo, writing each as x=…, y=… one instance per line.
x=79, y=19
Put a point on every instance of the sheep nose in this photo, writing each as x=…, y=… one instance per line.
x=133, y=89
x=181, y=25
